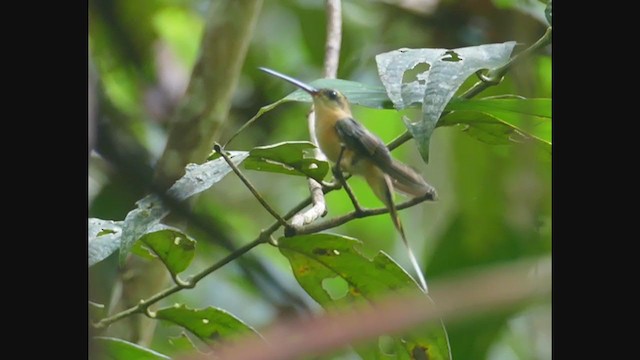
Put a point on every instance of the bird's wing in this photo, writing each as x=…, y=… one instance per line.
x=363, y=142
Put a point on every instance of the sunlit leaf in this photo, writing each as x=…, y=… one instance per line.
x=208, y=324
x=289, y=158
x=446, y=71
x=172, y=246
x=118, y=349
x=104, y=239
x=317, y=258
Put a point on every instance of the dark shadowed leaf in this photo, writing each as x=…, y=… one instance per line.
x=317, y=258
x=289, y=158
x=118, y=349
x=172, y=246
x=447, y=70
x=208, y=324
x=104, y=239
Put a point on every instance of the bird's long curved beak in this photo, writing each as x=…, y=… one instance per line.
x=308, y=88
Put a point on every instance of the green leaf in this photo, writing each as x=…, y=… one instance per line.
x=208, y=324
x=150, y=209
x=495, y=131
x=104, y=239
x=533, y=107
x=118, y=349
x=287, y=158
x=317, y=258
x=357, y=93
x=172, y=246
x=437, y=84
x=372, y=96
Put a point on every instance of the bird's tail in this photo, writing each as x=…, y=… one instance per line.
x=408, y=181
x=384, y=191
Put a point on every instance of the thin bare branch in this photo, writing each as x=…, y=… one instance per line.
x=337, y=221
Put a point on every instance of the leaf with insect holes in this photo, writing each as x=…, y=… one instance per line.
x=208, y=324
x=118, y=349
x=104, y=239
x=287, y=158
x=319, y=261
x=172, y=246
x=437, y=81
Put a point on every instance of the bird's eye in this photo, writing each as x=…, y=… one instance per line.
x=332, y=94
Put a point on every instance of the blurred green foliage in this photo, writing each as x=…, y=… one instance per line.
x=494, y=200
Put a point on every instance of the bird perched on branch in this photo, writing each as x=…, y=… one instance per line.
x=354, y=149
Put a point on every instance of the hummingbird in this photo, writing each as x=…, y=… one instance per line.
x=354, y=149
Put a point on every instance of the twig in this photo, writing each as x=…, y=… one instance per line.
x=251, y=188
x=331, y=223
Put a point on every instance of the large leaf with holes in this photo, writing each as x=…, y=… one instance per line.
x=319, y=261
x=208, y=324
x=291, y=158
x=446, y=71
